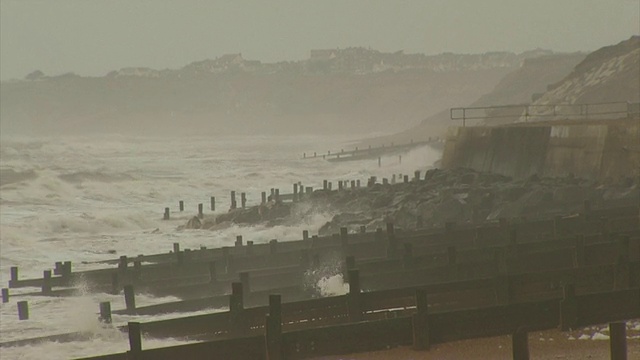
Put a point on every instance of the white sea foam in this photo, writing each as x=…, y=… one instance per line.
x=94, y=198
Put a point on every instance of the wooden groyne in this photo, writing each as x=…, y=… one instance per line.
x=466, y=273
x=374, y=152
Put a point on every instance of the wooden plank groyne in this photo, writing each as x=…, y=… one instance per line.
x=374, y=152
x=467, y=272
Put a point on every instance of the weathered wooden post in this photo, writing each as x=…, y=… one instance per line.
x=568, y=308
x=243, y=200
x=520, y=345
x=263, y=197
x=236, y=309
x=339, y=185
x=135, y=339
x=330, y=184
x=273, y=329
x=392, y=247
x=273, y=246
x=58, y=269
x=325, y=185
x=385, y=181
x=181, y=205
x=166, y=214
x=406, y=179
x=122, y=263
x=277, y=195
x=66, y=270
x=354, y=303
x=213, y=203
x=129, y=298
x=5, y=295
x=618, y=340
x=308, y=190
x=200, y=211
x=105, y=312
x=420, y=323
x=295, y=192
x=46, y=282
x=416, y=175
x=244, y=280
x=305, y=234
x=393, y=179
x=176, y=248
x=234, y=204
x=358, y=183
x=344, y=239
x=23, y=310
x=353, y=184
x=238, y=242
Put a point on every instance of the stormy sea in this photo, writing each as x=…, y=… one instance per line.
x=92, y=198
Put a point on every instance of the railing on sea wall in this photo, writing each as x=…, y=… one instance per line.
x=527, y=112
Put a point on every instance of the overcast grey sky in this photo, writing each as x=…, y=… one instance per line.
x=93, y=37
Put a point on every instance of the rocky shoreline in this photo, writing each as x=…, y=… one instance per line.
x=439, y=196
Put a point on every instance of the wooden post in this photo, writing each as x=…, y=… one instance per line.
x=249, y=247
x=416, y=175
x=243, y=200
x=122, y=263
x=213, y=203
x=392, y=249
x=344, y=239
x=200, y=211
x=308, y=190
x=166, y=214
x=66, y=269
x=135, y=339
x=233, y=200
x=385, y=181
x=305, y=234
x=354, y=303
x=353, y=184
x=358, y=183
x=129, y=297
x=568, y=310
x=23, y=310
x=14, y=275
x=420, y=323
x=263, y=197
x=273, y=329
x=618, y=340
x=238, y=242
x=176, y=248
x=244, y=280
x=58, y=269
x=339, y=185
x=295, y=192
x=5, y=295
x=105, y=312
x=277, y=195
x=325, y=185
x=520, y=345
x=181, y=205
x=236, y=309
x=330, y=185
x=46, y=282
x=406, y=179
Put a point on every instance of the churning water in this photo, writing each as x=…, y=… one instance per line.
x=85, y=199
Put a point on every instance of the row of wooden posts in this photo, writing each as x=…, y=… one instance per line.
x=298, y=194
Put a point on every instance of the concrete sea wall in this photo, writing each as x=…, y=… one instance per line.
x=597, y=150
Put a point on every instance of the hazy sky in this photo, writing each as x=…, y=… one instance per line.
x=93, y=37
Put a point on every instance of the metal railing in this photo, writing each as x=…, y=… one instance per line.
x=526, y=112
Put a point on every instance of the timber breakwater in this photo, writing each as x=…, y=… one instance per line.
x=515, y=256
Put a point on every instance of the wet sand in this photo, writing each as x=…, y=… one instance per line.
x=551, y=344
